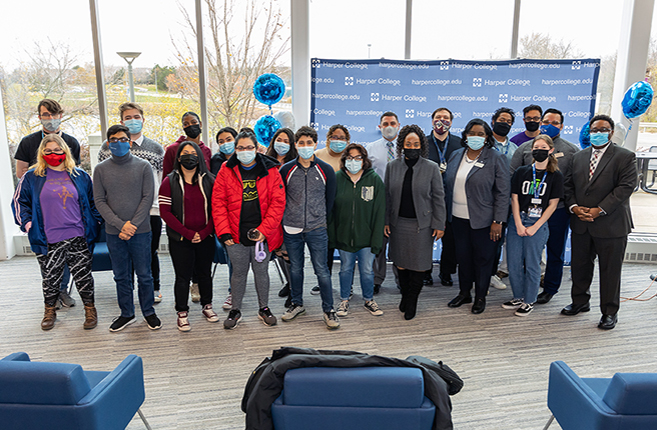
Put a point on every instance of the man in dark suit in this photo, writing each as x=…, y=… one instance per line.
x=597, y=192
x=441, y=145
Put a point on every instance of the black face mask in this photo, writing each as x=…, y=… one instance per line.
x=540, y=155
x=412, y=154
x=532, y=125
x=501, y=128
x=189, y=161
x=192, y=131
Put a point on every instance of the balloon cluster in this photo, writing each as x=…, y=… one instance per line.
x=267, y=89
x=585, y=136
x=637, y=99
x=265, y=128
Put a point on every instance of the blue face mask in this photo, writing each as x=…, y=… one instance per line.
x=599, y=139
x=550, y=130
x=227, y=148
x=119, y=149
x=134, y=125
x=353, y=166
x=281, y=148
x=246, y=157
x=306, y=152
x=476, y=142
x=338, y=145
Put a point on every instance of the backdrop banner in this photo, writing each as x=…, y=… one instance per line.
x=356, y=92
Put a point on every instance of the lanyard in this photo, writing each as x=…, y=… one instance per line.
x=537, y=190
x=506, y=150
x=441, y=154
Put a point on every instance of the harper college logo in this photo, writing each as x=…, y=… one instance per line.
x=374, y=97
x=444, y=65
x=348, y=80
x=504, y=98
x=410, y=113
x=476, y=82
x=316, y=63
x=314, y=125
x=577, y=65
x=567, y=129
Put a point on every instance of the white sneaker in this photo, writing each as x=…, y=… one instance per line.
x=496, y=282
x=228, y=303
x=193, y=290
x=209, y=313
x=331, y=320
x=374, y=309
x=183, y=322
x=343, y=308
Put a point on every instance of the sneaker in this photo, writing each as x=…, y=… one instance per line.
x=183, y=323
x=210, y=314
x=331, y=319
x=524, y=310
x=66, y=300
x=157, y=298
x=234, y=317
x=153, y=322
x=315, y=291
x=496, y=282
x=343, y=308
x=266, y=316
x=193, y=290
x=512, y=304
x=292, y=312
x=120, y=323
x=374, y=309
x=228, y=303
x=502, y=274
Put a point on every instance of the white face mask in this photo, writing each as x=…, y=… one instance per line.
x=389, y=132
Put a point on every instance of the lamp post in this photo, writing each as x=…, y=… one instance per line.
x=129, y=57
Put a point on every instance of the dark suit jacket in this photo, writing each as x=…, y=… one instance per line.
x=488, y=188
x=453, y=143
x=610, y=188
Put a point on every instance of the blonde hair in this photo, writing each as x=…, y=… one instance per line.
x=41, y=165
x=553, y=164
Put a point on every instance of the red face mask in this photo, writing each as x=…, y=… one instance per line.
x=54, y=159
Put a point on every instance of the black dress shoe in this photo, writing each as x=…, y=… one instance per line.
x=285, y=291
x=573, y=309
x=459, y=300
x=377, y=288
x=607, y=322
x=479, y=306
x=428, y=280
x=544, y=297
x=445, y=279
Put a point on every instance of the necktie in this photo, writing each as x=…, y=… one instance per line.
x=391, y=151
x=595, y=158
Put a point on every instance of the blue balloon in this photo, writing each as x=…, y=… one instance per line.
x=585, y=136
x=265, y=128
x=637, y=99
x=269, y=89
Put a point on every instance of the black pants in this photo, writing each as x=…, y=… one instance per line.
x=498, y=249
x=156, y=229
x=475, y=253
x=448, y=253
x=610, y=252
x=188, y=258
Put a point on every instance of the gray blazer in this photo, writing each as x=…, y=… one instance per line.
x=428, y=193
x=488, y=187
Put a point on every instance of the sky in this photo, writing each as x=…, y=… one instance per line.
x=340, y=29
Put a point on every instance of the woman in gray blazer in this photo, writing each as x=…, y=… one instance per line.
x=415, y=213
x=477, y=188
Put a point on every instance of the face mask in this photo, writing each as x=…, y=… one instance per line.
x=189, y=161
x=306, y=152
x=550, y=130
x=412, y=154
x=192, y=131
x=540, y=155
x=134, y=125
x=246, y=157
x=532, y=126
x=338, y=145
x=227, y=148
x=501, y=128
x=442, y=126
x=51, y=125
x=54, y=159
x=353, y=166
x=476, y=142
x=389, y=132
x=119, y=149
x=599, y=139
x=281, y=148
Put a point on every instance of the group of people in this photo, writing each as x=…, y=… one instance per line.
x=387, y=200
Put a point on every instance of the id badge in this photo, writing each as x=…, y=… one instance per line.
x=443, y=167
x=536, y=201
x=534, y=212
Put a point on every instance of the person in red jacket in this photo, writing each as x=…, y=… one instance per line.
x=248, y=202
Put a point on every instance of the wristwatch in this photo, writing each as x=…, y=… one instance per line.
x=498, y=222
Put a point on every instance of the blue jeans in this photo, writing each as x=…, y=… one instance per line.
x=347, y=264
x=524, y=258
x=558, y=225
x=317, y=241
x=138, y=251
x=66, y=279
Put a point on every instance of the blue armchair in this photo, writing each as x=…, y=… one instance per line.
x=628, y=401
x=60, y=396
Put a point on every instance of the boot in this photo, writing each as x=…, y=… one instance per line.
x=403, y=288
x=90, y=316
x=49, y=317
x=416, y=283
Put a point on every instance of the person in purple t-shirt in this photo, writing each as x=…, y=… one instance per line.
x=54, y=204
x=532, y=115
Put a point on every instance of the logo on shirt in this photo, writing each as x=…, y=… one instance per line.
x=64, y=194
x=249, y=192
x=367, y=193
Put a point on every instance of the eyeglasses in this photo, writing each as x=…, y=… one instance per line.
x=122, y=140
x=245, y=148
x=532, y=118
x=357, y=158
x=600, y=130
x=48, y=152
x=554, y=123
x=48, y=115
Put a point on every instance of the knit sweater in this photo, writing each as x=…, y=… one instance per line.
x=123, y=191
